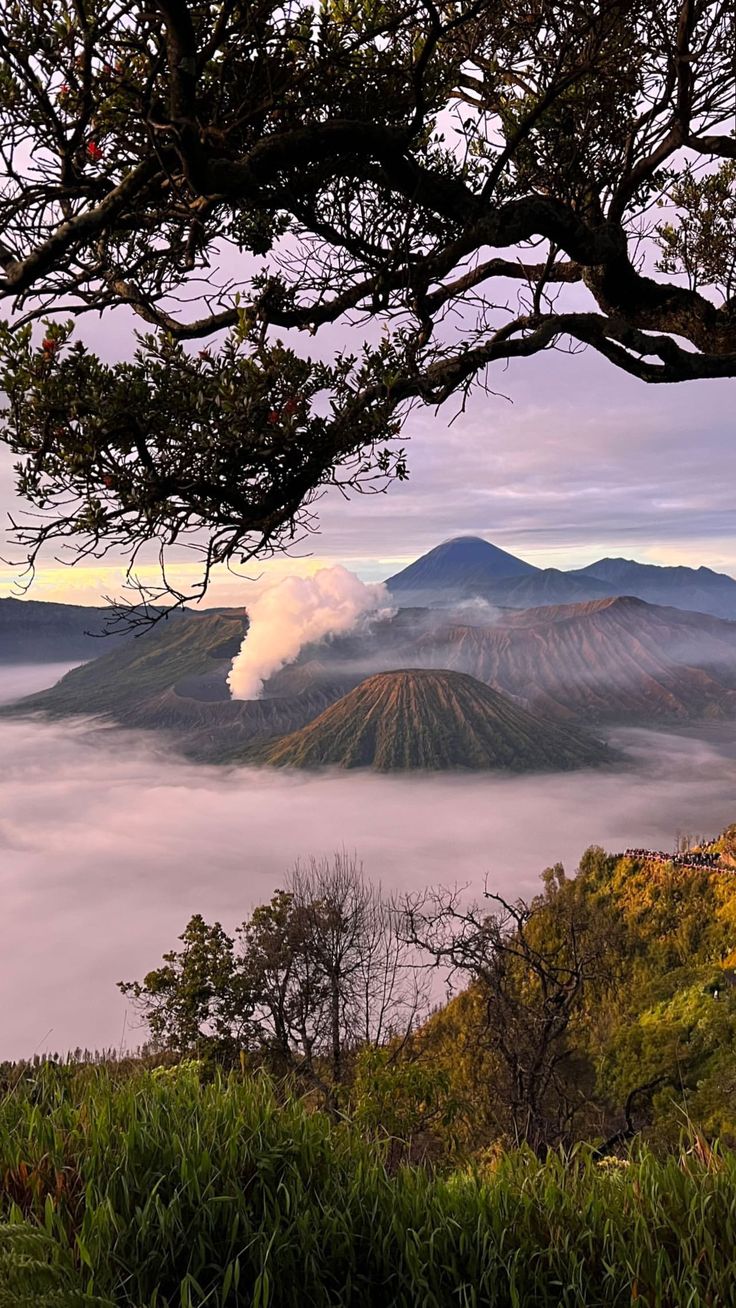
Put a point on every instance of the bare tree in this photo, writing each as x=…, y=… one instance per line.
x=330, y=968
x=532, y=963
x=354, y=935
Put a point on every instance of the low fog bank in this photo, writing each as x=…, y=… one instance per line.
x=108, y=844
x=20, y=679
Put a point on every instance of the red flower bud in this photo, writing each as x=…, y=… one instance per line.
x=94, y=151
x=274, y=416
x=49, y=345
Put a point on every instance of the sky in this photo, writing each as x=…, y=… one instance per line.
x=571, y=460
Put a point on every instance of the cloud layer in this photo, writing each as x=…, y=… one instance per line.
x=18, y=681
x=107, y=846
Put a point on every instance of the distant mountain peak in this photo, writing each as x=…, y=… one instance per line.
x=634, y=567
x=459, y=565
x=470, y=567
x=472, y=544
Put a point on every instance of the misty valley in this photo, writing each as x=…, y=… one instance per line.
x=448, y=860
x=426, y=738
x=326, y=671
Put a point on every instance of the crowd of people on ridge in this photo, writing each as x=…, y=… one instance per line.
x=707, y=855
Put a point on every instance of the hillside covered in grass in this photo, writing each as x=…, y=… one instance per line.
x=183, y=647
x=601, y=1011
x=560, y=1132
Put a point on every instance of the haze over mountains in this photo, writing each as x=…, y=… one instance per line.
x=174, y=678
x=597, y=662
x=610, y=660
x=606, y=661
x=39, y=631
x=469, y=566
x=194, y=649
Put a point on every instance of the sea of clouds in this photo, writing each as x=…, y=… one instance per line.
x=108, y=843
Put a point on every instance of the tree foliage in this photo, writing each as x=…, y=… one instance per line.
x=311, y=977
x=644, y=1045
x=601, y=1009
x=481, y=179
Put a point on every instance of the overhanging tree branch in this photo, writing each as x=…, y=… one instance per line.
x=449, y=173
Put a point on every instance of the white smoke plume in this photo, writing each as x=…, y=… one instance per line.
x=294, y=612
x=476, y=609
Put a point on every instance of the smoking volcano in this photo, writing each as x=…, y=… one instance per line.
x=293, y=613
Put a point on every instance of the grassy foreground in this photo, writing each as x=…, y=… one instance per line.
x=154, y=1189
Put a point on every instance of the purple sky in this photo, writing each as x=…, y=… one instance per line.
x=580, y=461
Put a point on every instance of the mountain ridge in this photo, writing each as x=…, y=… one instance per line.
x=613, y=565
x=438, y=578
x=699, y=589
x=613, y=660
x=44, y=631
x=172, y=679
x=166, y=653
x=610, y=661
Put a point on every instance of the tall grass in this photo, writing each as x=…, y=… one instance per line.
x=35, y=1272
x=164, y=1191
